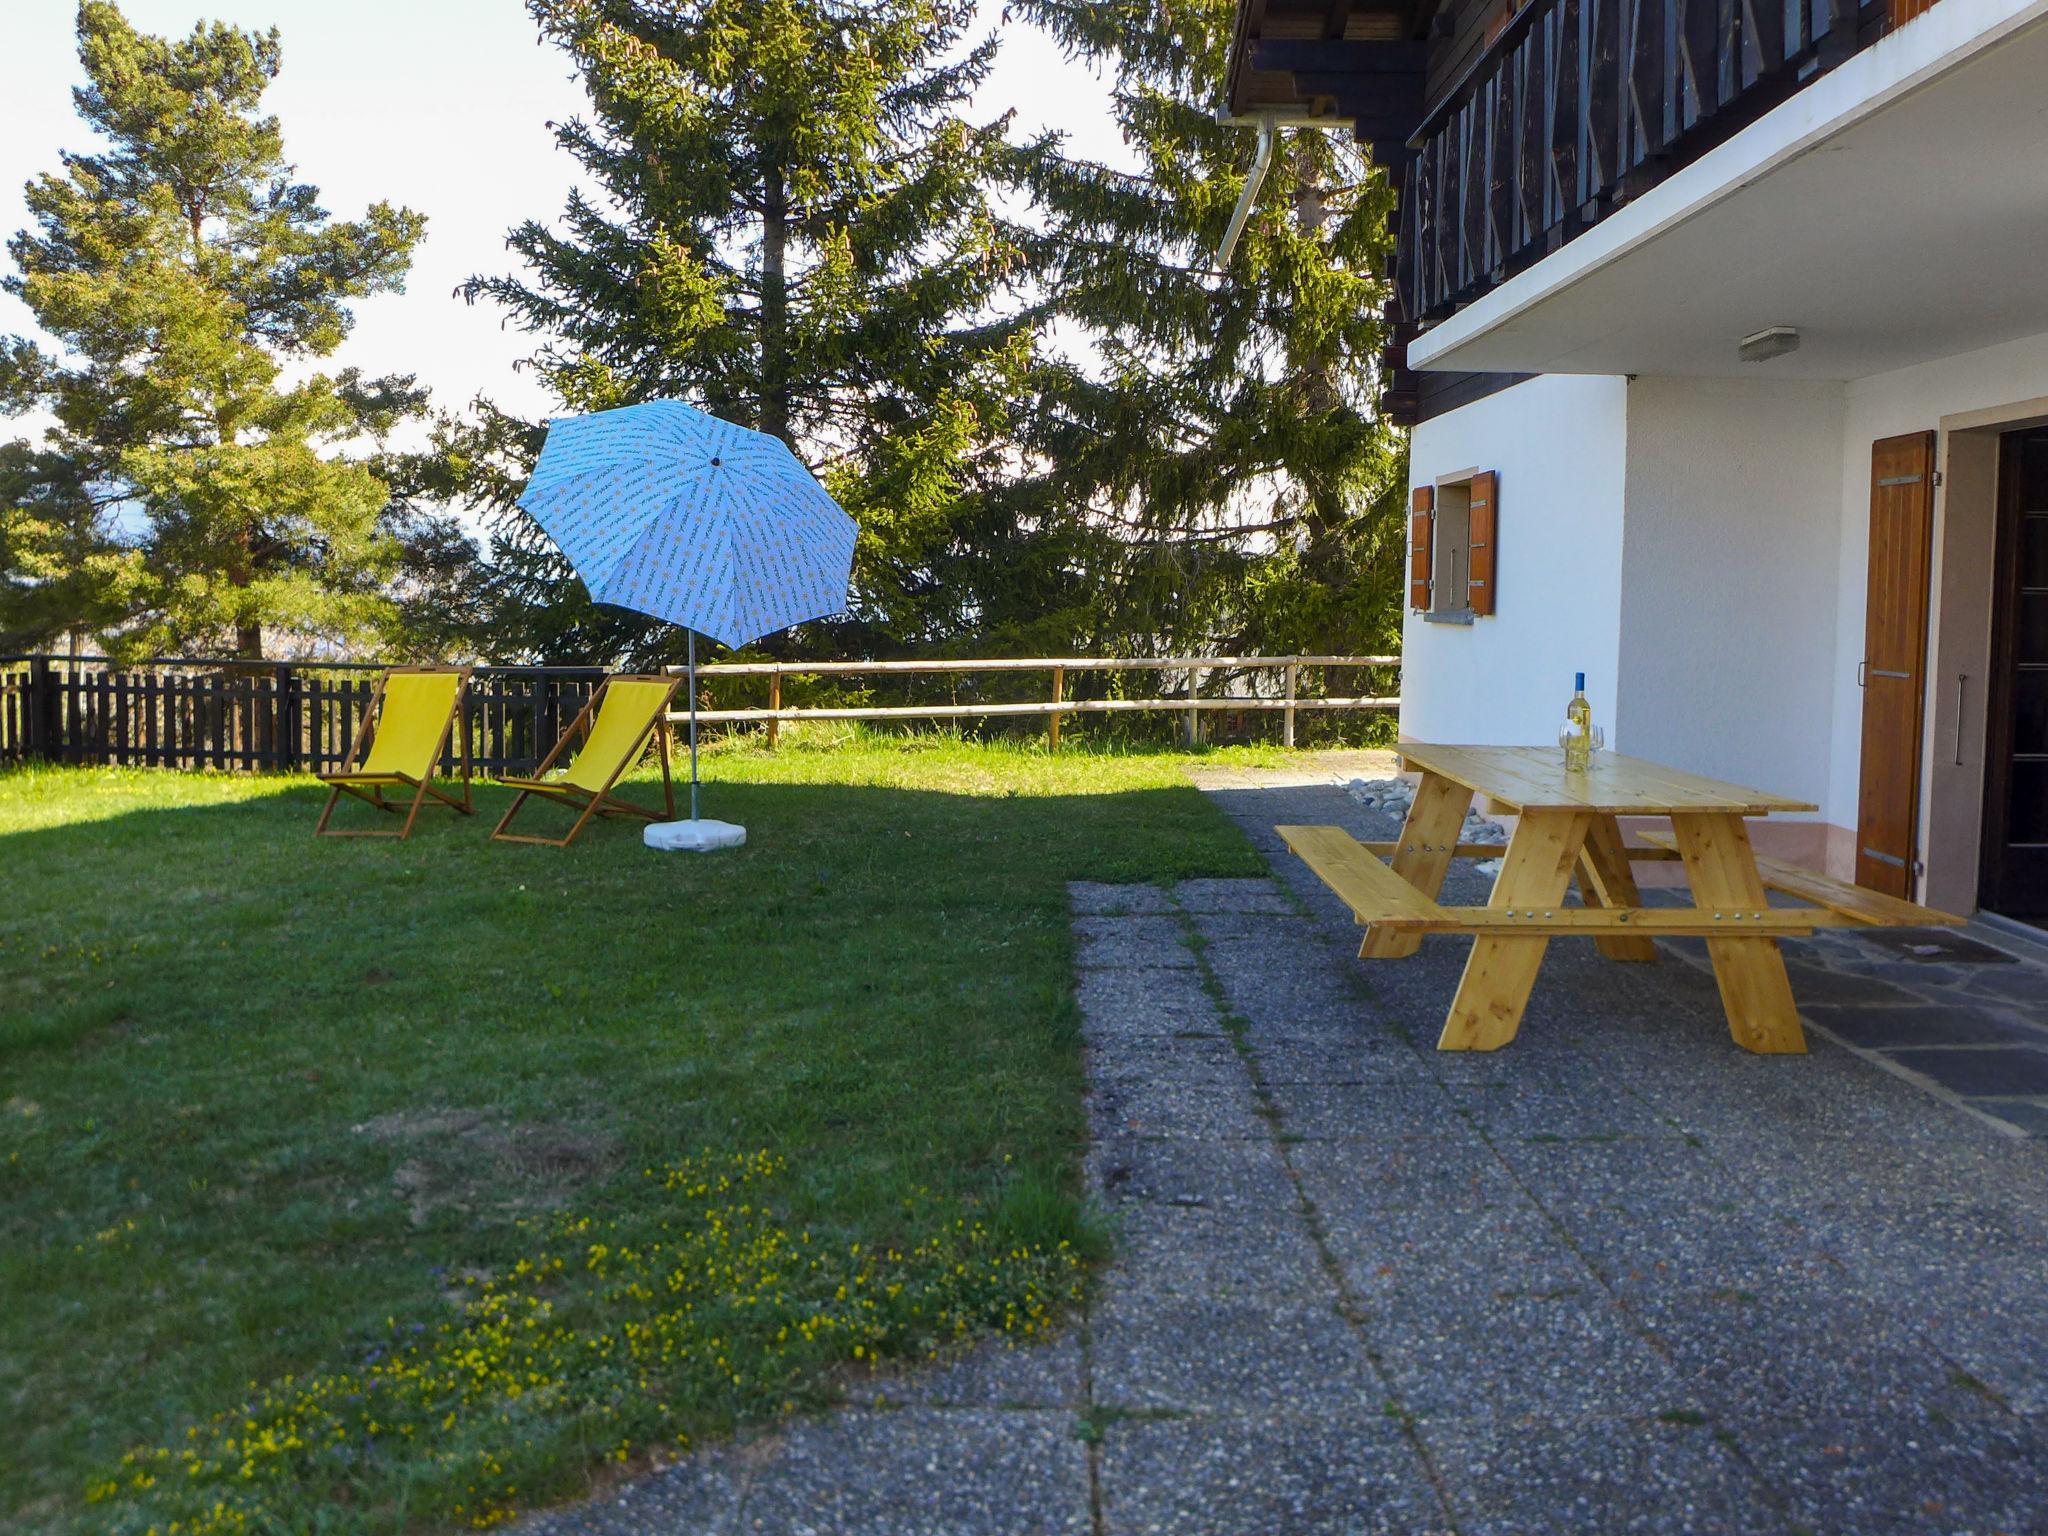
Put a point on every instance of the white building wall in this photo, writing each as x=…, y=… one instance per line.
x=1558, y=445
x=1729, y=582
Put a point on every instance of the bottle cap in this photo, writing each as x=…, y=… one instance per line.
x=1579, y=685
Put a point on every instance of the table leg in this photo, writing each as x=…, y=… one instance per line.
x=1756, y=993
x=1605, y=880
x=1495, y=989
x=1429, y=837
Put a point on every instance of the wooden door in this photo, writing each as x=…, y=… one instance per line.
x=1893, y=672
x=2015, y=864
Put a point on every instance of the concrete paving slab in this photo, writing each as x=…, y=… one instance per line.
x=1147, y=941
x=1090, y=899
x=1881, y=1472
x=1807, y=1349
x=1265, y=1255
x=1660, y=1477
x=1360, y=1180
x=1231, y=1177
x=1290, y=926
x=921, y=1472
x=1989, y=1319
x=1154, y=1349
x=1507, y=1110
x=1179, y=1108
x=1194, y=1057
x=1234, y=896
x=1121, y=1004
x=698, y=1495
x=1334, y=1057
x=1351, y=1473
x=1371, y=1111
x=1048, y=1373
x=1455, y=1264
x=1523, y=1356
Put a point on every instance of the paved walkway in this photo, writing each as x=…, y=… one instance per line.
x=1618, y=1277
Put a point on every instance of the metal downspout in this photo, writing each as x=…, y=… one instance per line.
x=1262, y=162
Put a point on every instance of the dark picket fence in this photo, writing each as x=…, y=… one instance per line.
x=250, y=716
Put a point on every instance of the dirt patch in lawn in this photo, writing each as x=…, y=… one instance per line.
x=463, y=1161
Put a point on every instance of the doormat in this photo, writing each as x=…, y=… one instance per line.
x=1937, y=946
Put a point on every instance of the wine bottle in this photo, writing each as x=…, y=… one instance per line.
x=1578, y=731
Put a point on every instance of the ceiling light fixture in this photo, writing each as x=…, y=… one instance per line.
x=1772, y=341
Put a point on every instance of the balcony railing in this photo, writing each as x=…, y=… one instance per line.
x=1579, y=105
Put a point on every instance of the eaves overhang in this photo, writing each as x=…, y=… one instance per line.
x=1893, y=210
x=1337, y=60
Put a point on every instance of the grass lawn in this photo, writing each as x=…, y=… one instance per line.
x=376, y=1186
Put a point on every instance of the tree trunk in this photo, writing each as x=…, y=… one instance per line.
x=775, y=304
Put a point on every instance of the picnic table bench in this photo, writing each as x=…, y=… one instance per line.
x=1568, y=827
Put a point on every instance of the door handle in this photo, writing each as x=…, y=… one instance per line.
x=1961, y=678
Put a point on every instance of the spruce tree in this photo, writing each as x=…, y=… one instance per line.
x=188, y=497
x=1217, y=428
x=800, y=230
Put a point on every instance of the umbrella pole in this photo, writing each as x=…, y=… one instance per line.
x=693, y=724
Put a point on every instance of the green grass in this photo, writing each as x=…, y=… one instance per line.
x=465, y=1166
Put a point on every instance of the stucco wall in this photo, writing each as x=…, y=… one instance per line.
x=1729, y=580
x=1557, y=444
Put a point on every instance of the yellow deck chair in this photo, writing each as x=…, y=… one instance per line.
x=615, y=725
x=412, y=712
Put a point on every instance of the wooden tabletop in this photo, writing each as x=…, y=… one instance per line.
x=1526, y=778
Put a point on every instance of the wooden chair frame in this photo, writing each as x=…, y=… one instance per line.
x=603, y=802
x=421, y=788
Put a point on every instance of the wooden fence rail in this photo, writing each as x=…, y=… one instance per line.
x=1288, y=698
x=302, y=716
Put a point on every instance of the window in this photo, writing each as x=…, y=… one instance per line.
x=1452, y=528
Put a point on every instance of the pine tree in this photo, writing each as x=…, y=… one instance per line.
x=804, y=236
x=188, y=497
x=1217, y=428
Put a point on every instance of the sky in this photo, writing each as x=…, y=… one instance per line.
x=442, y=106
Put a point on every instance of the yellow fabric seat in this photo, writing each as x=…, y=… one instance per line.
x=615, y=725
x=408, y=722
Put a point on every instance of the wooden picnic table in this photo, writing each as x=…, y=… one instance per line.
x=1567, y=825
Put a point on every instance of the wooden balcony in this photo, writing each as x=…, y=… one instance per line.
x=1508, y=130
x=1577, y=106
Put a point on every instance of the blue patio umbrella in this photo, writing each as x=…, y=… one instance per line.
x=671, y=512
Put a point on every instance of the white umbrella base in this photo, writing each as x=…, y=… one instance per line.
x=693, y=836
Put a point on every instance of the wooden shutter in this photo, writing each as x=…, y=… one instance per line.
x=1485, y=523
x=1893, y=673
x=1421, y=539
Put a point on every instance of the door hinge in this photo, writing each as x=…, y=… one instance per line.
x=1937, y=477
